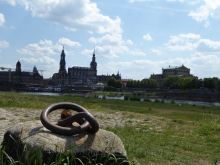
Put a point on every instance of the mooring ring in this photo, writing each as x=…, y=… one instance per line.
x=87, y=122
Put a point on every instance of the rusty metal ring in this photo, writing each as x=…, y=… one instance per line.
x=87, y=122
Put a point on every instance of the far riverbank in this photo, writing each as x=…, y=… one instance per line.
x=126, y=96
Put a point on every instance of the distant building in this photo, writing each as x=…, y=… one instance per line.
x=176, y=71
x=106, y=78
x=76, y=75
x=83, y=75
x=80, y=76
x=180, y=71
x=20, y=77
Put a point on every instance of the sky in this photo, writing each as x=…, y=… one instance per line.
x=135, y=37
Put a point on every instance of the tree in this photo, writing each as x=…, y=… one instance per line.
x=175, y=82
x=171, y=82
x=211, y=83
x=114, y=83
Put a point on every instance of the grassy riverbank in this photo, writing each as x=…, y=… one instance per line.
x=171, y=133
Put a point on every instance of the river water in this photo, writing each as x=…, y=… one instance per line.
x=199, y=103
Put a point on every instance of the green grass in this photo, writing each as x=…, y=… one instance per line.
x=187, y=135
x=35, y=157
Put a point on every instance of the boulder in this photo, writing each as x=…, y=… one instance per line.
x=30, y=141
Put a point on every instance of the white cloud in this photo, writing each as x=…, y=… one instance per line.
x=68, y=42
x=41, y=49
x=85, y=15
x=11, y=2
x=208, y=45
x=204, y=11
x=192, y=42
x=135, y=1
x=183, y=42
x=72, y=14
x=176, y=1
x=4, y=44
x=110, y=45
x=137, y=52
x=70, y=29
x=201, y=65
x=147, y=37
x=156, y=52
x=207, y=10
x=2, y=19
x=191, y=2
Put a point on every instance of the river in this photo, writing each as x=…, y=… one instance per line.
x=199, y=103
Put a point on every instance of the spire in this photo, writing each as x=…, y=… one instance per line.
x=93, y=55
x=35, y=71
x=118, y=76
x=93, y=64
x=62, y=61
x=94, y=52
x=18, y=66
x=63, y=51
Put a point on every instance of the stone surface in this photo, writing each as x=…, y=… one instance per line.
x=12, y=116
x=33, y=136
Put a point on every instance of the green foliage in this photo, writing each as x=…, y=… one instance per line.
x=145, y=84
x=212, y=83
x=174, y=82
x=114, y=83
x=36, y=157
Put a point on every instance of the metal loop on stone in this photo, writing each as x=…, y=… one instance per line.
x=87, y=123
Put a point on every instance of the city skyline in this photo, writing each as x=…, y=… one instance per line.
x=136, y=37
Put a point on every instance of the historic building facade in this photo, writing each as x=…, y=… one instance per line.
x=83, y=75
x=76, y=75
x=106, y=78
x=180, y=71
x=18, y=76
x=176, y=71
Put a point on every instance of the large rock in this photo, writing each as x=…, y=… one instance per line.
x=30, y=139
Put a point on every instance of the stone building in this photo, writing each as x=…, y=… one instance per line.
x=28, y=78
x=83, y=76
x=176, y=71
x=106, y=78
x=180, y=71
x=18, y=76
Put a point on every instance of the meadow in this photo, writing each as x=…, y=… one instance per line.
x=170, y=134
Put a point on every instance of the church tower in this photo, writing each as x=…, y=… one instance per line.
x=62, y=71
x=18, y=67
x=35, y=71
x=18, y=76
x=93, y=64
x=62, y=62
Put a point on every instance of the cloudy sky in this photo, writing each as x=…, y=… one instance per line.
x=136, y=37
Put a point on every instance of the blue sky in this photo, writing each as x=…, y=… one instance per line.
x=136, y=37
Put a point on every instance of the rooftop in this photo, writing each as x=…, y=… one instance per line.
x=175, y=67
x=79, y=67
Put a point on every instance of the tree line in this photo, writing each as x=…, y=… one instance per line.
x=171, y=82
